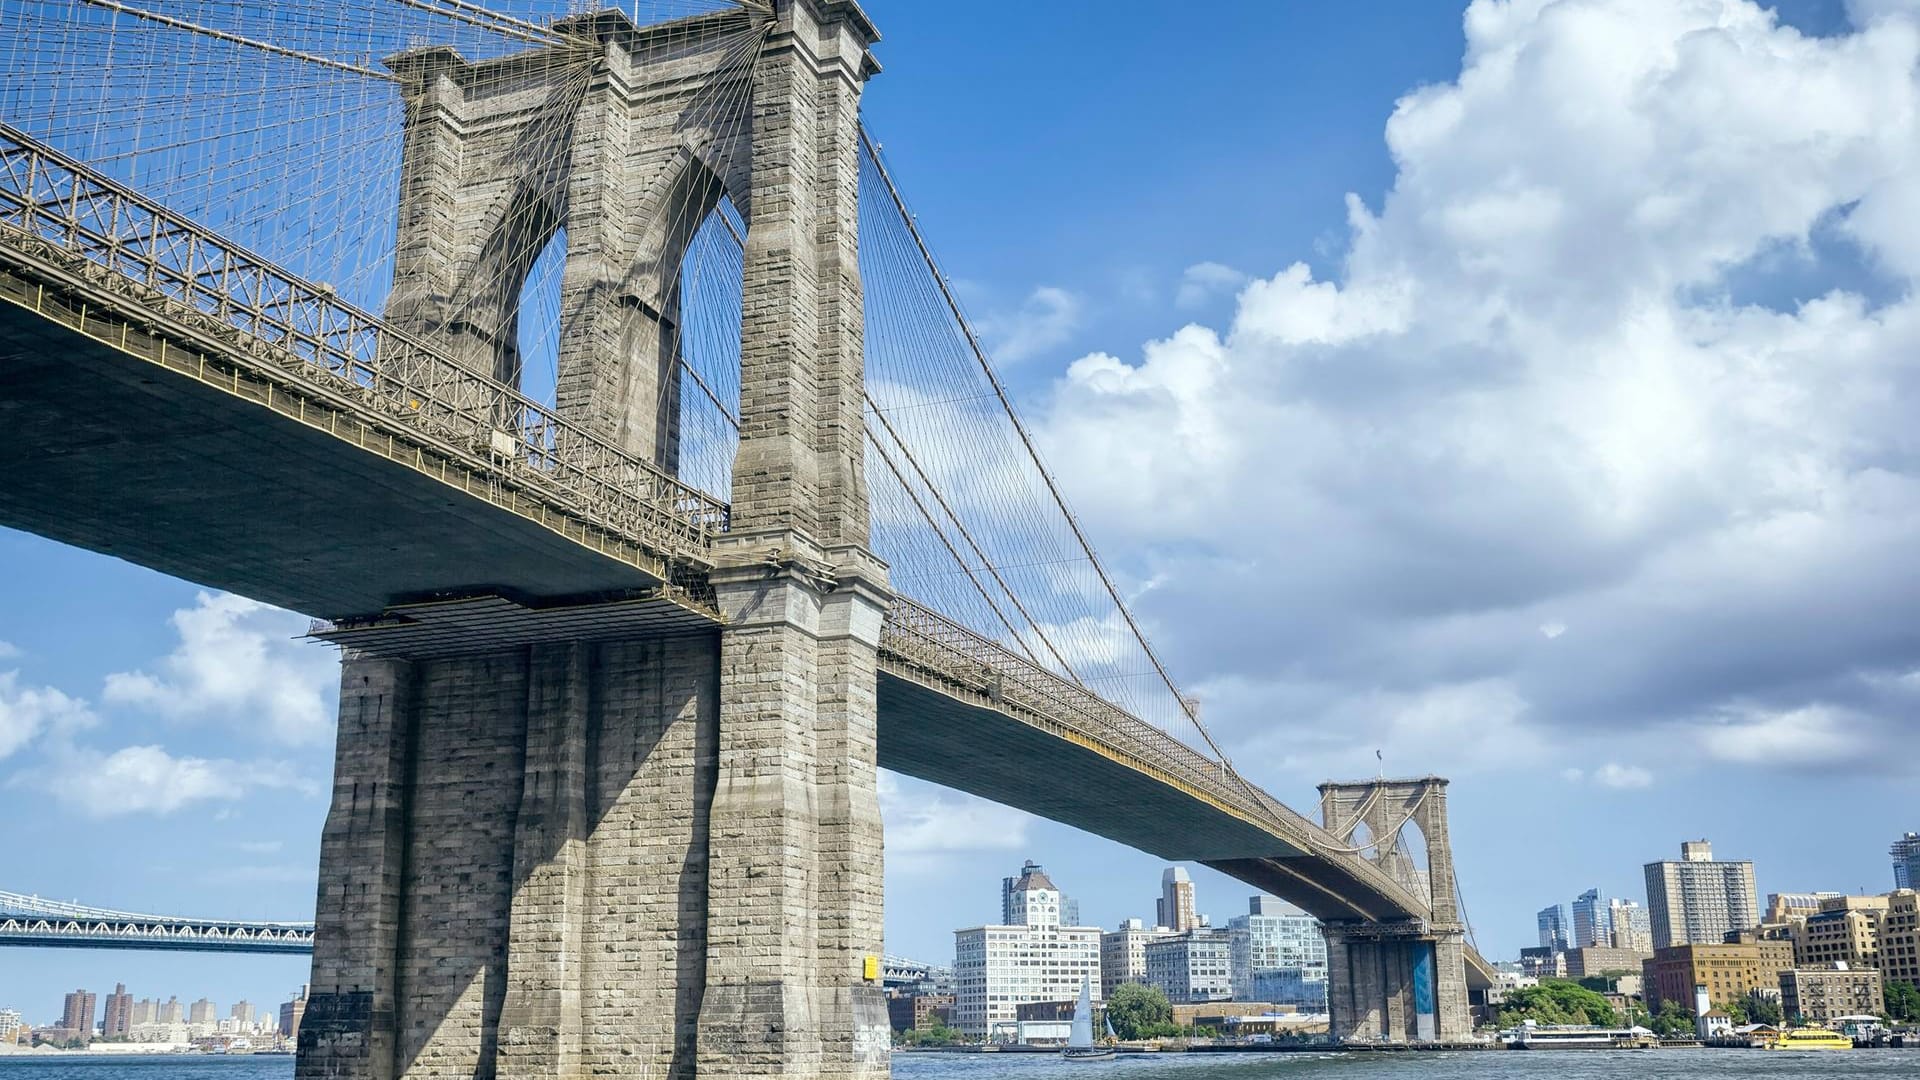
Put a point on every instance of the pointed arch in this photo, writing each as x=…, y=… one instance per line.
x=621, y=319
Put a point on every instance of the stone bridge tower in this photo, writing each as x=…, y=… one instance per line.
x=1398, y=981
x=659, y=855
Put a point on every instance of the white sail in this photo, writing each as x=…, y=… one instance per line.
x=1082, y=1035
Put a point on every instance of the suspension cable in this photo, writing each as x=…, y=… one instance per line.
x=971, y=543
x=1026, y=439
x=236, y=39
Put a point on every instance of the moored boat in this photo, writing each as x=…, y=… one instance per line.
x=1810, y=1039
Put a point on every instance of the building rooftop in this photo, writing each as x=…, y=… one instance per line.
x=1032, y=877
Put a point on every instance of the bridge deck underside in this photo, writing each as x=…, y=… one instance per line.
x=114, y=453
x=986, y=752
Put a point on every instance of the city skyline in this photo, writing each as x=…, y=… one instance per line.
x=1219, y=885
x=112, y=1014
x=1503, y=637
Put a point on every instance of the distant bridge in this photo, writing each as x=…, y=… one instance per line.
x=31, y=920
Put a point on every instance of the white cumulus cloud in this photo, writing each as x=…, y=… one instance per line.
x=1615, y=775
x=925, y=822
x=1202, y=282
x=1045, y=320
x=1631, y=344
x=238, y=660
x=26, y=712
x=149, y=780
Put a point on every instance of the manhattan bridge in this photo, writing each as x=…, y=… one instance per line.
x=584, y=375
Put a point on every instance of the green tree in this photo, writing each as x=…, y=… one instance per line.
x=935, y=1034
x=1673, y=1019
x=1736, y=1010
x=1557, y=1001
x=1763, y=1010
x=1139, y=1012
x=1903, y=1001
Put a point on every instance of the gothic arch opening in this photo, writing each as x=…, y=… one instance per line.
x=489, y=301
x=1414, y=863
x=537, y=333
x=709, y=350
x=1363, y=839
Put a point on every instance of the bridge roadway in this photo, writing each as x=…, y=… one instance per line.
x=184, y=405
x=32, y=921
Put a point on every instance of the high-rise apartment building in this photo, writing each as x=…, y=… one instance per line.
x=1175, y=909
x=1628, y=926
x=996, y=969
x=119, y=1016
x=1553, y=928
x=1277, y=954
x=1906, y=861
x=145, y=1011
x=1123, y=954
x=1697, y=900
x=172, y=1012
x=243, y=1012
x=202, y=1012
x=1592, y=921
x=77, y=1016
x=1195, y=966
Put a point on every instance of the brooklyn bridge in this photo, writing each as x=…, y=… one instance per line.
x=588, y=381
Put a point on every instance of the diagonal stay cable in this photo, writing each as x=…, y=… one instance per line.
x=1026, y=439
x=948, y=544
x=966, y=535
x=237, y=39
x=486, y=20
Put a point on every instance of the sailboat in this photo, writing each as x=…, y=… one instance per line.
x=1080, y=1041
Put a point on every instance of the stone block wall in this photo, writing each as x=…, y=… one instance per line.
x=541, y=858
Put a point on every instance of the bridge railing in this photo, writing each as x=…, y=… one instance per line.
x=950, y=651
x=274, y=319
x=946, y=650
x=25, y=906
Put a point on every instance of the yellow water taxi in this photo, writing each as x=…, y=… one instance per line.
x=1810, y=1039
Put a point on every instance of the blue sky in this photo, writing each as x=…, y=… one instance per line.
x=1585, y=482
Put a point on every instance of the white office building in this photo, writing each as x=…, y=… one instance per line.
x=1277, y=954
x=1123, y=954
x=1196, y=966
x=996, y=969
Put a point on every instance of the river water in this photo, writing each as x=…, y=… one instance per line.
x=1561, y=1065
